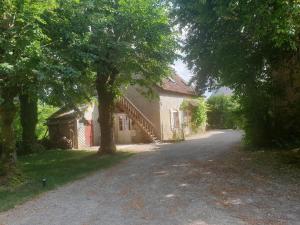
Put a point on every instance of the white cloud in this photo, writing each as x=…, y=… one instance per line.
x=182, y=70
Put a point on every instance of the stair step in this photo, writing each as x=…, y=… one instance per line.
x=141, y=120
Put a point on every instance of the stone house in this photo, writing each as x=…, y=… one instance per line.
x=137, y=118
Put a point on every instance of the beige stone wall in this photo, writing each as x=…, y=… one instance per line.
x=169, y=103
x=91, y=113
x=127, y=136
x=150, y=108
x=81, y=134
x=158, y=111
x=139, y=136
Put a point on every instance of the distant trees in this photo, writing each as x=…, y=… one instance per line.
x=114, y=44
x=223, y=112
x=253, y=48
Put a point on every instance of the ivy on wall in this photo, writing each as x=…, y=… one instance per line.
x=198, y=109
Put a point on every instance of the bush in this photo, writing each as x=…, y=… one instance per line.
x=223, y=113
x=44, y=112
x=198, y=109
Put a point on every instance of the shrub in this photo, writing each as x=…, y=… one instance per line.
x=198, y=109
x=223, y=112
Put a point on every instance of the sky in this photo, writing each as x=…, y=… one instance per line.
x=183, y=71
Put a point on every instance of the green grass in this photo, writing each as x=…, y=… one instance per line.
x=58, y=167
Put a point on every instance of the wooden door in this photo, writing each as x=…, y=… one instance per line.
x=123, y=126
x=89, y=133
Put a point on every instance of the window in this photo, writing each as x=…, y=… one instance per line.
x=121, y=127
x=130, y=124
x=125, y=123
x=174, y=119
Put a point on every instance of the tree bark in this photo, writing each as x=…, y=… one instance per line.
x=106, y=106
x=7, y=116
x=286, y=100
x=28, y=117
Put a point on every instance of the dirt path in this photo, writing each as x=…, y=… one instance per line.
x=202, y=181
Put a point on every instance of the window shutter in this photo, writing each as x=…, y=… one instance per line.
x=172, y=119
x=181, y=119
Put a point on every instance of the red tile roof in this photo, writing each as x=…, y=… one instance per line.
x=177, y=85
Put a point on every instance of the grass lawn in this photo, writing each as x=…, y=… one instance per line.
x=57, y=167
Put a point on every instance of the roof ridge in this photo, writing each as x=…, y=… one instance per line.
x=175, y=83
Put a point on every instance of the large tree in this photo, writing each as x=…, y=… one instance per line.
x=28, y=119
x=252, y=47
x=20, y=47
x=115, y=43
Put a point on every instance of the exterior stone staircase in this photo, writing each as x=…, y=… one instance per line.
x=135, y=114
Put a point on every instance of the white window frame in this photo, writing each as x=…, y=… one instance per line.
x=172, y=119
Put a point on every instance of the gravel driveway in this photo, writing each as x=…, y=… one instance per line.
x=178, y=184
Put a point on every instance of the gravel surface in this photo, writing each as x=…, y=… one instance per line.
x=188, y=183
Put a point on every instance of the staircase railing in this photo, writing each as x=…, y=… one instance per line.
x=136, y=114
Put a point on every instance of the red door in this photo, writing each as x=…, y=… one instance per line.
x=89, y=133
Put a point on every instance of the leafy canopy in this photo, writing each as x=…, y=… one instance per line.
x=236, y=42
x=20, y=42
x=253, y=48
x=119, y=42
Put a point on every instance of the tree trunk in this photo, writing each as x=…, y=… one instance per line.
x=286, y=100
x=7, y=116
x=28, y=117
x=106, y=108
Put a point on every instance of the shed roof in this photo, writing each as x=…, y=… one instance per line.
x=66, y=112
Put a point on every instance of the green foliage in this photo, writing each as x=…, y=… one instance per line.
x=113, y=40
x=58, y=167
x=199, y=114
x=44, y=112
x=18, y=129
x=111, y=44
x=253, y=48
x=223, y=112
x=20, y=42
x=198, y=109
x=21, y=52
